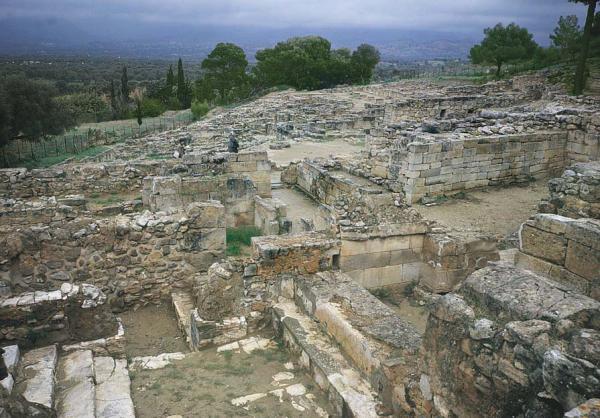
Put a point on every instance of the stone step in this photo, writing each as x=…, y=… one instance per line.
x=276, y=186
x=75, y=391
x=183, y=304
x=348, y=392
x=36, y=380
x=113, y=388
x=379, y=343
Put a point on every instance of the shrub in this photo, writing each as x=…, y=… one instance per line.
x=199, y=109
x=152, y=108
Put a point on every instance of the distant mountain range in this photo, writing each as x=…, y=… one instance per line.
x=24, y=36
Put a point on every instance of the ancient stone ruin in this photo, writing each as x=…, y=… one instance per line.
x=365, y=271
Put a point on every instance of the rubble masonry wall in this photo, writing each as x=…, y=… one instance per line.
x=138, y=258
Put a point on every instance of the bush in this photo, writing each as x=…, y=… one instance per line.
x=242, y=235
x=199, y=109
x=152, y=108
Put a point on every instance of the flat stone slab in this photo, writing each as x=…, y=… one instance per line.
x=113, y=396
x=155, y=362
x=75, y=389
x=37, y=380
x=508, y=291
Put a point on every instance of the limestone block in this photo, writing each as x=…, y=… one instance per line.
x=583, y=261
x=543, y=244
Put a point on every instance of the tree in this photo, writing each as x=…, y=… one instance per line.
x=34, y=110
x=183, y=87
x=225, y=73
x=124, y=84
x=171, y=76
x=567, y=37
x=585, y=45
x=364, y=60
x=138, y=97
x=113, y=100
x=503, y=45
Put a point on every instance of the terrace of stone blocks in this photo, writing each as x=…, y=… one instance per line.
x=421, y=249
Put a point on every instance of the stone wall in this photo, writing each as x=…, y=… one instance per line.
x=576, y=194
x=384, y=261
x=583, y=142
x=235, y=192
x=77, y=179
x=563, y=249
x=305, y=253
x=510, y=343
x=45, y=211
x=70, y=313
x=137, y=258
x=270, y=216
x=445, y=107
x=448, y=258
x=254, y=164
x=444, y=167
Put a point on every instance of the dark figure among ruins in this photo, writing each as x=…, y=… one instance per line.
x=233, y=145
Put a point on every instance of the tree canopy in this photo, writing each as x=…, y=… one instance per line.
x=30, y=109
x=224, y=74
x=585, y=44
x=502, y=45
x=567, y=37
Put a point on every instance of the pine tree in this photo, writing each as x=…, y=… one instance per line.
x=125, y=84
x=585, y=45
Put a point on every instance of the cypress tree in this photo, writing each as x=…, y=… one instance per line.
x=125, y=84
x=113, y=99
x=180, y=82
x=170, y=76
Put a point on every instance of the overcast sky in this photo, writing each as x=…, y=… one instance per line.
x=539, y=16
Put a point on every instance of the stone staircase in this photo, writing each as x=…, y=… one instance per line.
x=76, y=384
x=349, y=393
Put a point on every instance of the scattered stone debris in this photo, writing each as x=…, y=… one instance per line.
x=257, y=239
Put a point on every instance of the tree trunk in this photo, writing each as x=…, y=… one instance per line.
x=498, y=68
x=587, y=34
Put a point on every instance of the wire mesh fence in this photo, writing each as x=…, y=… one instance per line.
x=83, y=141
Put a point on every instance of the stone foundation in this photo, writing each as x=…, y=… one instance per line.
x=563, y=249
x=508, y=343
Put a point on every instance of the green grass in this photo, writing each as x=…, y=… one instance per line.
x=237, y=238
x=55, y=159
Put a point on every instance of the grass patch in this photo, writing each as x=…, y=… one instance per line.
x=240, y=237
x=55, y=159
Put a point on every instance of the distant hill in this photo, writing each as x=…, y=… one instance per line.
x=25, y=36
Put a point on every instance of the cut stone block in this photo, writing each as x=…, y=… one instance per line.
x=37, y=381
x=113, y=397
x=75, y=390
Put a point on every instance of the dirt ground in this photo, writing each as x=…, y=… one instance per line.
x=205, y=383
x=496, y=211
x=299, y=206
x=152, y=330
x=312, y=149
x=406, y=307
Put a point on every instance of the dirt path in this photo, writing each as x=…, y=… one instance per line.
x=496, y=211
x=205, y=383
